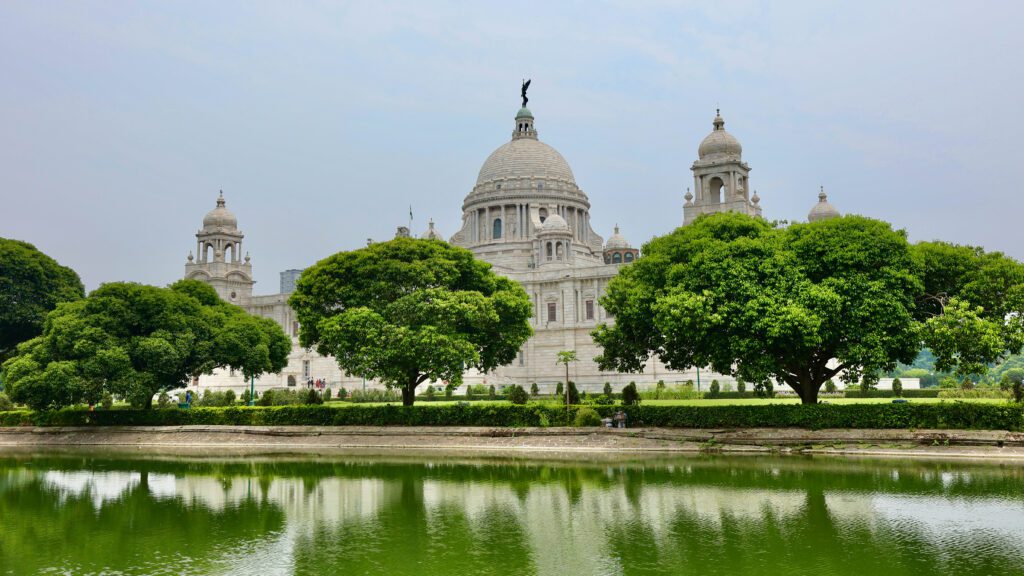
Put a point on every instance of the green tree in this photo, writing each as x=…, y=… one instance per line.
x=565, y=357
x=407, y=311
x=714, y=389
x=608, y=389
x=534, y=390
x=630, y=395
x=897, y=388
x=757, y=301
x=31, y=285
x=517, y=395
x=971, y=306
x=135, y=341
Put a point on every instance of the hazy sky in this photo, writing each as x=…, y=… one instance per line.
x=322, y=122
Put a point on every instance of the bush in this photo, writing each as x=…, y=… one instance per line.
x=897, y=388
x=608, y=389
x=163, y=400
x=517, y=395
x=449, y=389
x=246, y=397
x=559, y=391
x=491, y=393
x=741, y=386
x=958, y=415
x=979, y=392
x=534, y=390
x=313, y=397
x=714, y=389
x=375, y=395
x=630, y=397
x=928, y=393
x=107, y=400
x=587, y=417
x=764, y=389
x=830, y=386
x=328, y=394
x=5, y=403
x=342, y=393
x=574, y=395
x=429, y=393
x=677, y=392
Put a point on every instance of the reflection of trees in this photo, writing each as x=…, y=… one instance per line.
x=405, y=537
x=44, y=528
x=635, y=517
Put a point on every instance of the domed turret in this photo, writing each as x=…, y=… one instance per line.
x=431, y=233
x=618, y=250
x=554, y=223
x=220, y=217
x=616, y=240
x=823, y=210
x=719, y=144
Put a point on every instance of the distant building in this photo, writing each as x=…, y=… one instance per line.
x=288, y=280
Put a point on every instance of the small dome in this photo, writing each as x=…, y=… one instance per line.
x=719, y=143
x=554, y=223
x=524, y=112
x=823, y=210
x=616, y=241
x=220, y=217
x=431, y=233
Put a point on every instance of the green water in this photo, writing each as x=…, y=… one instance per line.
x=426, y=515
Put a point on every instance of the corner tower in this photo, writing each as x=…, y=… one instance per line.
x=218, y=260
x=720, y=177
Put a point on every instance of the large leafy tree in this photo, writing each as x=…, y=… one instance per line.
x=31, y=284
x=134, y=341
x=799, y=304
x=971, y=308
x=409, y=311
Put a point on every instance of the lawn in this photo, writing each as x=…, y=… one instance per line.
x=701, y=402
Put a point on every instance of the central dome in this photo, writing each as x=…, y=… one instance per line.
x=220, y=217
x=719, y=143
x=524, y=158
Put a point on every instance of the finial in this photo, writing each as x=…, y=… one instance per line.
x=526, y=86
x=220, y=200
x=821, y=195
x=190, y=256
x=431, y=223
x=247, y=257
x=688, y=196
x=755, y=199
x=616, y=227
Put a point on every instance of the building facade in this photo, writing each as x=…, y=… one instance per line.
x=527, y=216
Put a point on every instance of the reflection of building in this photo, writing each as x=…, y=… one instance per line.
x=530, y=220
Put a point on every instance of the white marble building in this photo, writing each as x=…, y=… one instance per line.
x=527, y=216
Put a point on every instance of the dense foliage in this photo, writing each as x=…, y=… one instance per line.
x=31, y=285
x=135, y=341
x=409, y=311
x=956, y=415
x=844, y=297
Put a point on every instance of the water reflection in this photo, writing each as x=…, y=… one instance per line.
x=436, y=515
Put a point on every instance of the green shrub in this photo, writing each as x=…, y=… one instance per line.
x=429, y=393
x=469, y=392
x=328, y=394
x=342, y=393
x=587, y=417
x=600, y=400
x=630, y=397
x=559, y=390
x=107, y=400
x=211, y=398
x=517, y=395
x=163, y=400
x=608, y=389
x=375, y=395
x=979, y=392
x=897, y=388
x=957, y=415
x=856, y=393
x=764, y=389
x=967, y=384
x=5, y=403
x=246, y=396
x=714, y=389
x=313, y=397
x=574, y=395
x=449, y=389
x=677, y=392
x=741, y=386
x=490, y=392
x=534, y=390
x=830, y=386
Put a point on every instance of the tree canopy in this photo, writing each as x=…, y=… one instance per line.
x=407, y=311
x=134, y=341
x=31, y=284
x=798, y=304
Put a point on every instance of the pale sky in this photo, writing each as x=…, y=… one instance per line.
x=324, y=121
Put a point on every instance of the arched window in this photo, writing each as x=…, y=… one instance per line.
x=497, y=228
x=629, y=257
x=209, y=253
x=717, y=190
x=617, y=258
x=291, y=381
x=543, y=213
x=229, y=252
x=549, y=251
x=558, y=250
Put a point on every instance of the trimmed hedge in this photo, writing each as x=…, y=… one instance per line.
x=922, y=393
x=963, y=415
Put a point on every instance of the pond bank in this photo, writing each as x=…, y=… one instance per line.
x=899, y=443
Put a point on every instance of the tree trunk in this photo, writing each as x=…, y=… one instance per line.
x=409, y=393
x=808, y=392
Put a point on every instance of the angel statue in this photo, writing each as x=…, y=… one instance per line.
x=526, y=86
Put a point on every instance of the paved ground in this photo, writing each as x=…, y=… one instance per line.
x=551, y=441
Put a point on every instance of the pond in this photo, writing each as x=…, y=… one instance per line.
x=425, y=514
